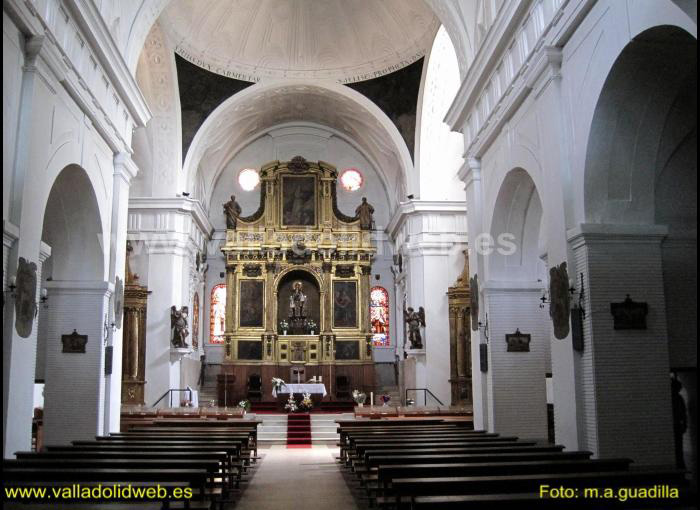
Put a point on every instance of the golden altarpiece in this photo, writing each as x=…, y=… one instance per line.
x=298, y=282
x=459, y=302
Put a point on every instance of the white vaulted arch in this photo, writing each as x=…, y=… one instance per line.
x=263, y=106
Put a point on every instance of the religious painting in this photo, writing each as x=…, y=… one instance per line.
x=299, y=201
x=629, y=314
x=345, y=350
x=379, y=316
x=250, y=349
x=345, y=304
x=217, y=314
x=518, y=342
x=195, y=321
x=251, y=305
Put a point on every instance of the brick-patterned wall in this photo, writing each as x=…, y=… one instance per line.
x=74, y=391
x=517, y=390
x=625, y=374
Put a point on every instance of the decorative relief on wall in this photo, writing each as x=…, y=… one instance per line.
x=252, y=270
x=25, y=300
x=559, y=306
x=518, y=342
x=217, y=314
x=344, y=271
x=74, y=343
x=629, y=314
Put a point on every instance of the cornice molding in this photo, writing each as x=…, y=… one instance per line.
x=604, y=233
x=93, y=26
x=420, y=207
x=186, y=205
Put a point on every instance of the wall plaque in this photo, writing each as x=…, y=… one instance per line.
x=518, y=342
x=484, y=357
x=629, y=314
x=74, y=343
x=109, y=352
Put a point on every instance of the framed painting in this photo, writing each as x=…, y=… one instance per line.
x=250, y=349
x=345, y=304
x=252, y=302
x=298, y=201
x=347, y=350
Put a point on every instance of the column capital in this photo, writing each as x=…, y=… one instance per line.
x=124, y=167
x=470, y=171
x=601, y=233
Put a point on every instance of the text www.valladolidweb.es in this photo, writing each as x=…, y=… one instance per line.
x=112, y=492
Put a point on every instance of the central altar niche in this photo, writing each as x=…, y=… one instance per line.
x=298, y=282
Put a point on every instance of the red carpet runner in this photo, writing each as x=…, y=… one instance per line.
x=299, y=431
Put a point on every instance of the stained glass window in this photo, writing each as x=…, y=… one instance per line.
x=379, y=316
x=195, y=321
x=217, y=314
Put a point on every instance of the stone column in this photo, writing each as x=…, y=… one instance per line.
x=517, y=380
x=74, y=394
x=124, y=171
x=624, y=373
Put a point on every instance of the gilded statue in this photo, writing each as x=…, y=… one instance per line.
x=297, y=299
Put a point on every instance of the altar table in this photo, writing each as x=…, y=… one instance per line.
x=314, y=389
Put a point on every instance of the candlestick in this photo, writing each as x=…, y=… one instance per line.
x=371, y=399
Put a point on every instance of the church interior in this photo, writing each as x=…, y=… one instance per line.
x=422, y=253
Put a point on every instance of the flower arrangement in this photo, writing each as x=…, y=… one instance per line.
x=284, y=326
x=245, y=405
x=311, y=326
x=277, y=383
x=359, y=397
x=386, y=399
x=306, y=404
x=291, y=405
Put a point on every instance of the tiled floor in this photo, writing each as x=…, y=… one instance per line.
x=296, y=479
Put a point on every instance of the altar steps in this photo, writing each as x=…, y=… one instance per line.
x=274, y=427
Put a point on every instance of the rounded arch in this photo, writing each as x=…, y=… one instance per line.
x=73, y=229
x=438, y=149
x=516, y=230
x=631, y=116
x=314, y=297
x=284, y=275
x=265, y=105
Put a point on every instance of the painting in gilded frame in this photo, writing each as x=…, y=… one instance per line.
x=345, y=304
x=298, y=201
x=252, y=300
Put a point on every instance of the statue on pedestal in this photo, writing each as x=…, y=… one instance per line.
x=232, y=210
x=296, y=301
x=178, y=327
x=364, y=212
x=415, y=320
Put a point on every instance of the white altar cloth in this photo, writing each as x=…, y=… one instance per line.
x=301, y=388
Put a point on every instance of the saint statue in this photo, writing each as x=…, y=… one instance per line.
x=364, y=212
x=178, y=327
x=415, y=320
x=232, y=210
x=296, y=301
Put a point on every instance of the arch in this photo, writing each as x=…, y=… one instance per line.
x=313, y=306
x=265, y=105
x=632, y=113
x=73, y=228
x=438, y=149
x=515, y=230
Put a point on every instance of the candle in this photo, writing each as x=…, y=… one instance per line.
x=371, y=399
x=44, y=292
x=13, y=281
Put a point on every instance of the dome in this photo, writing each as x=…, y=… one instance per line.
x=340, y=40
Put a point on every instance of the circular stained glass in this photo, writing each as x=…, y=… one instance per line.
x=351, y=179
x=248, y=179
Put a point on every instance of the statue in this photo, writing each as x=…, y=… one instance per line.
x=178, y=327
x=25, y=300
x=296, y=301
x=364, y=212
x=232, y=210
x=414, y=320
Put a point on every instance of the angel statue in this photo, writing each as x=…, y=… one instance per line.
x=178, y=327
x=414, y=320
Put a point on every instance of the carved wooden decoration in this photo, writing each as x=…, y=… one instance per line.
x=459, y=298
x=629, y=314
x=25, y=300
x=474, y=301
x=560, y=300
x=74, y=343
